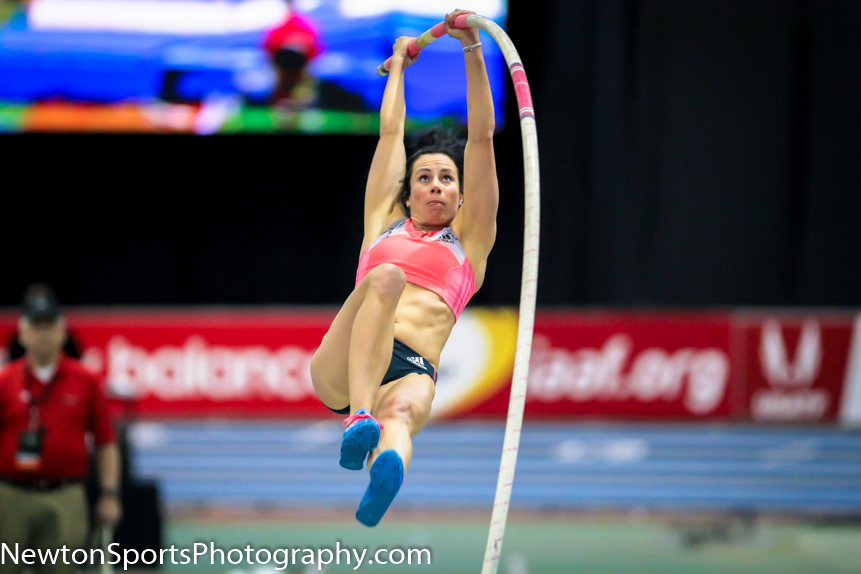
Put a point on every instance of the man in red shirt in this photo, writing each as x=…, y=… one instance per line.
x=291, y=46
x=49, y=403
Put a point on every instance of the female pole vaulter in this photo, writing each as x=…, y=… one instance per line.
x=429, y=226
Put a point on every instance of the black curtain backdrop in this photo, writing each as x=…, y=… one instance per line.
x=693, y=154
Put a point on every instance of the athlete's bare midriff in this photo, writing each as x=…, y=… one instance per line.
x=423, y=322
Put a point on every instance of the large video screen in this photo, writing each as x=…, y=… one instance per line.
x=227, y=66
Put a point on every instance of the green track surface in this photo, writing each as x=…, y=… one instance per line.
x=551, y=546
x=310, y=122
x=11, y=117
x=6, y=9
x=269, y=120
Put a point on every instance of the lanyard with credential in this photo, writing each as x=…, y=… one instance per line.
x=35, y=402
x=28, y=457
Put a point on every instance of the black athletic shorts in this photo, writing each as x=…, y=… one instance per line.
x=404, y=361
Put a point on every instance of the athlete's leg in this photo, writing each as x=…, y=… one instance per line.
x=329, y=367
x=403, y=408
x=356, y=351
x=374, y=335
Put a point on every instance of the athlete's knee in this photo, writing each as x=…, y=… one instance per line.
x=387, y=280
x=410, y=410
x=400, y=408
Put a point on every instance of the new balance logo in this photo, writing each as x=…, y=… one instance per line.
x=417, y=361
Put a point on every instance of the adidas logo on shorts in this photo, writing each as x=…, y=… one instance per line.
x=418, y=361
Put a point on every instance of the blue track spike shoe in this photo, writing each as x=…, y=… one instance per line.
x=387, y=475
x=360, y=438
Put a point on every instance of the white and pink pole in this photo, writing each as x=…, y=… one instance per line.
x=529, y=281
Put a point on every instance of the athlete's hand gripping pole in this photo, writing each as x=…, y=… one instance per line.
x=416, y=45
x=529, y=282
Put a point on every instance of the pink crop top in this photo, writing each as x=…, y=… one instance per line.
x=435, y=261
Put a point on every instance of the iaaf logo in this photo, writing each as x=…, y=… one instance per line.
x=697, y=377
x=790, y=395
x=777, y=368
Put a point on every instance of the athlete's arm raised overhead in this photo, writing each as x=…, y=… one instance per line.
x=387, y=169
x=476, y=222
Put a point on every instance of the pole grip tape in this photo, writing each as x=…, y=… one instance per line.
x=426, y=38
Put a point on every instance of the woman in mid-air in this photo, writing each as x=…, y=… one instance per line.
x=430, y=223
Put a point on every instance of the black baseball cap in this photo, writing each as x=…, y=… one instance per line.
x=40, y=303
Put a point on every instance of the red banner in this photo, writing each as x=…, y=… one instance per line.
x=204, y=363
x=640, y=365
x=796, y=366
x=635, y=366
x=625, y=365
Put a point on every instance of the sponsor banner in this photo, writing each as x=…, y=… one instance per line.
x=626, y=365
x=771, y=368
x=850, y=406
x=204, y=363
x=257, y=363
x=796, y=365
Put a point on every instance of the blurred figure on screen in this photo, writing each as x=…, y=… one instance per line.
x=291, y=46
x=49, y=403
x=13, y=13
